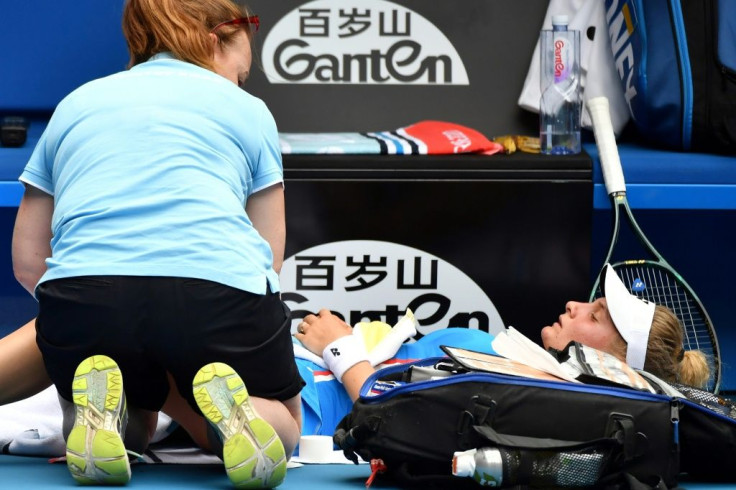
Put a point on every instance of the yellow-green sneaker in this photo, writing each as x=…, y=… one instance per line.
x=95, y=453
x=252, y=451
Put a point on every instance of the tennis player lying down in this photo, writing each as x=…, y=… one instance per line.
x=646, y=336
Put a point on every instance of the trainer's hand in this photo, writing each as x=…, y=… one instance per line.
x=316, y=332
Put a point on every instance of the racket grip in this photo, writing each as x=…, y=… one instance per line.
x=605, y=140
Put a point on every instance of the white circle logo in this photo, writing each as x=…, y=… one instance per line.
x=356, y=42
x=367, y=280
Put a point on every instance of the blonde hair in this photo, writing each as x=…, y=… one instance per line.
x=666, y=357
x=181, y=27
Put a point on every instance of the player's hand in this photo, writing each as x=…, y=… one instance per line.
x=316, y=332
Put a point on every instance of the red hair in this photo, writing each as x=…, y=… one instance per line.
x=181, y=27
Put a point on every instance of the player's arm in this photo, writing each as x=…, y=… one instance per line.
x=22, y=371
x=32, y=237
x=266, y=211
x=317, y=332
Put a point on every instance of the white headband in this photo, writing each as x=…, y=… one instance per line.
x=632, y=316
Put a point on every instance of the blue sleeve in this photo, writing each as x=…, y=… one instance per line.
x=324, y=400
x=429, y=345
x=38, y=170
x=311, y=419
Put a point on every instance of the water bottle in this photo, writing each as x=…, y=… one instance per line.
x=484, y=465
x=493, y=467
x=560, y=105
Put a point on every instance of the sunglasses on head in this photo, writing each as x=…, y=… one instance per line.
x=251, y=20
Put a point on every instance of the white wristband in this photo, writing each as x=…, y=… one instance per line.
x=344, y=353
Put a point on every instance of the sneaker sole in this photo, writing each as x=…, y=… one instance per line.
x=252, y=452
x=95, y=453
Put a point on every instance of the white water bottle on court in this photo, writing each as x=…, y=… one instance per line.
x=484, y=465
x=494, y=467
x=561, y=104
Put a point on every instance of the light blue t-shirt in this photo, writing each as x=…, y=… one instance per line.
x=150, y=170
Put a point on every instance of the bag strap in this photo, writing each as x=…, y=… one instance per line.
x=478, y=418
x=525, y=442
x=479, y=414
x=351, y=439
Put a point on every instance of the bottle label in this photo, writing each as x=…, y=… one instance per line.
x=562, y=58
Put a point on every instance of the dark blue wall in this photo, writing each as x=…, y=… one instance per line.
x=47, y=49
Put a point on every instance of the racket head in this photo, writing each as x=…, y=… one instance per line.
x=658, y=283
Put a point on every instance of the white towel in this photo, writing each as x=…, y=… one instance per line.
x=32, y=427
x=386, y=348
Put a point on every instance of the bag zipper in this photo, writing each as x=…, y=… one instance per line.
x=497, y=379
x=694, y=405
x=675, y=418
x=686, y=77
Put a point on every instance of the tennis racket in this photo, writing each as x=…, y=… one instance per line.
x=653, y=278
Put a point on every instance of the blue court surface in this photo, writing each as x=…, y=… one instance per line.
x=38, y=474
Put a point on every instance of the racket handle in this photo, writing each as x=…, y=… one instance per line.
x=605, y=140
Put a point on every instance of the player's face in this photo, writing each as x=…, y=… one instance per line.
x=587, y=323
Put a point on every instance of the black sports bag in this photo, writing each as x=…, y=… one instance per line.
x=550, y=433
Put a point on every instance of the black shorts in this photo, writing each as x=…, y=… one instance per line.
x=151, y=325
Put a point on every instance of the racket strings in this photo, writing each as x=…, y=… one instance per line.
x=659, y=286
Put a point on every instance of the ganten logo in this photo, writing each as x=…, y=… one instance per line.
x=356, y=42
